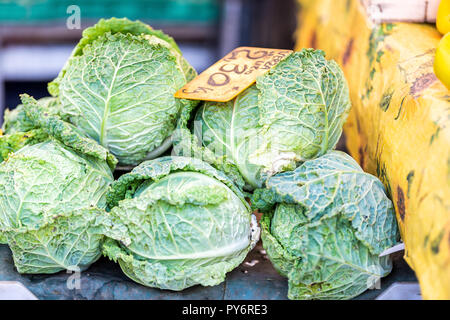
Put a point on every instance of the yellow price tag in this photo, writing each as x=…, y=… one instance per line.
x=232, y=74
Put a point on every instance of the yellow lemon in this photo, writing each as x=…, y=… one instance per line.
x=443, y=17
x=442, y=60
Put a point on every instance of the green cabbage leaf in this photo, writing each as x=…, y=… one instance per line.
x=53, y=197
x=324, y=226
x=18, y=130
x=178, y=222
x=294, y=112
x=16, y=120
x=118, y=85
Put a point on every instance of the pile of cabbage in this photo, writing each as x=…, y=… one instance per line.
x=183, y=215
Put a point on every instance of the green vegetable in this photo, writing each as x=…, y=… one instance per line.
x=178, y=222
x=12, y=142
x=16, y=120
x=118, y=87
x=53, y=196
x=175, y=222
x=18, y=130
x=293, y=113
x=325, y=225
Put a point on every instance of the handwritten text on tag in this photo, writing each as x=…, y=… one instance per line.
x=232, y=74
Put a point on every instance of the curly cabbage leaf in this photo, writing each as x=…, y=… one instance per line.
x=69, y=241
x=187, y=145
x=16, y=120
x=325, y=225
x=12, y=142
x=51, y=200
x=53, y=184
x=293, y=113
x=64, y=131
x=118, y=87
x=178, y=222
x=231, y=131
x=18, y=130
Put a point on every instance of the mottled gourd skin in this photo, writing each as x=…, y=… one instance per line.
x=325, y=225
x=178, y=223
x=118, y=87
x=50, y=207
x=295, y=112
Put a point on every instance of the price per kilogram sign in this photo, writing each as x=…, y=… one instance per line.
x=232, y=74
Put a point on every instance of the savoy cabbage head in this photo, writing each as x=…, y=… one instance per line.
x=12, y=142
x=293, y=113
x=178, y=222
x=53, y=195
x=118, y=85
x=324, y=226
x=16, y=120
x=18, y=130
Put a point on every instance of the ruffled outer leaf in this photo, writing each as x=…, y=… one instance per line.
x=186, y=144
x=52, y=202
x=328, y=223
x=19, y=130
x=178, y=222
x=12, y=142
x=118, y=87
x=294, y=112
x=16, y=120
x=113, y=26
x=230, y=131
x=126, y=185
x=69, y=241
x=64, y=132
x=303, y=104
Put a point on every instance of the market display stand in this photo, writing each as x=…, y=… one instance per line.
x=253, y=279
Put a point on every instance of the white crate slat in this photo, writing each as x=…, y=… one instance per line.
x=419, y=11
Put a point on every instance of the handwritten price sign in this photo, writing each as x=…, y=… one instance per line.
x=232, y=74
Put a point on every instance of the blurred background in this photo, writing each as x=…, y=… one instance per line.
x=37, y=36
